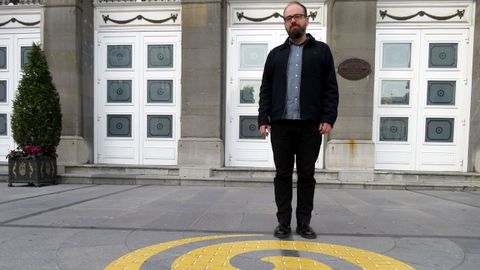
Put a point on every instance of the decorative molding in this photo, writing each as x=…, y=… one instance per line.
x=20, y=2
x=240, y=16
x=14, y=20
x=131, y=1
x=107, y=18
x=459, y=13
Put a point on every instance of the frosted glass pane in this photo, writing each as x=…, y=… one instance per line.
x=159, y=126
x=253, y=55
x=160, y=91
x=160, y=56
x=441, y=93
x=443, y=55
x=249, y=128
x=3, y=57
x=25, y=51
x=439, y=130
x=119, y=56
x=394, y=129
x=119, y=91
x=396, y=55
x=3, y=124
x=3, y=91
x=119, y=125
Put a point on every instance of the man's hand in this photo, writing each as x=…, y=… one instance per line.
x=325, y=128
x=264, y=130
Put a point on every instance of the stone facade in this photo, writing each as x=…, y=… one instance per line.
x=352, y=38
x=202, y=83
x=68, y=39
x=474, y=146
x=68, y=43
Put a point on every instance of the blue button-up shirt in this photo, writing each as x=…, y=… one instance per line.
x=294, y=72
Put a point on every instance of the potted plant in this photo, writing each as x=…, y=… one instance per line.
x=36, y=124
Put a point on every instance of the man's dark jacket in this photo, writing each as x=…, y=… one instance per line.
x=318, y=88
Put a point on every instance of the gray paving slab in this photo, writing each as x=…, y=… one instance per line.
x=26, y=191
x=72, y=227
x=471, y=261
x=424, y=253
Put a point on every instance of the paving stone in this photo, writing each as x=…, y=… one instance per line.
x=440, y=254
x=72, y=227
x=472, y=261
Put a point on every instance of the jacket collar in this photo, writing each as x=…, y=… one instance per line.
x=310, y=40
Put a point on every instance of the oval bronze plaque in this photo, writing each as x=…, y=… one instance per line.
x=354, y=69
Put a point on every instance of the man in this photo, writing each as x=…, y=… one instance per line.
x=298, y=103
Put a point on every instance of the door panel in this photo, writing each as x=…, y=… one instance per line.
x=442, y=103
x=160, y=99
x=396, y=99
x=420, y=93
x=7, y=76
x=138, y=98
x=117, y=96
x=14, y=50
x=247, y=52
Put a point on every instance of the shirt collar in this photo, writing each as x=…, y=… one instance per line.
x=290, y=42
x=287, y=42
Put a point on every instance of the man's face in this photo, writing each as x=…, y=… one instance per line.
x=295, y=21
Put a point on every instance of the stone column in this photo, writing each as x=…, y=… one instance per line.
x=350, y=145
x=68, y=44
x=201, y=143
x=474, y=147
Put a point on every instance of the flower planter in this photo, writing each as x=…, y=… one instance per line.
x=37, y=172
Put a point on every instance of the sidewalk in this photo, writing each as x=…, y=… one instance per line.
x=90, y=227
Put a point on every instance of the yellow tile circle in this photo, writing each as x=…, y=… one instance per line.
x=218, y=256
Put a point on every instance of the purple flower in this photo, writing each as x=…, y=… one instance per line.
x=32, y=149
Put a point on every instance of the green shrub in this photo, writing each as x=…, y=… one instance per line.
x=36, y=118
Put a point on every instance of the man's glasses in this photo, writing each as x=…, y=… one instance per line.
x=296, y=17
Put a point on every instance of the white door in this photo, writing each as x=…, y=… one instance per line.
x=14, y=49
x=443, y=102
x=137, y=98
x=246, y=55
x=421, y=95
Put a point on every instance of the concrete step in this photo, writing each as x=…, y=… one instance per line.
x=254, y=173
x=247, y=176
x=88, y=169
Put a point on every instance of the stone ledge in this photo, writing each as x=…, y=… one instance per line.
x=124, y=179
x=239, y=177
x=120, y=169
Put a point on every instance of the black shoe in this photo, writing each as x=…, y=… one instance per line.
x=305, y=231
x=282, y=231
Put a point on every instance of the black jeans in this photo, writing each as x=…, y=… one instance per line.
x=295, y=140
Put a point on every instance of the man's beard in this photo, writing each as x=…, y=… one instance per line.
x=296, y=32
